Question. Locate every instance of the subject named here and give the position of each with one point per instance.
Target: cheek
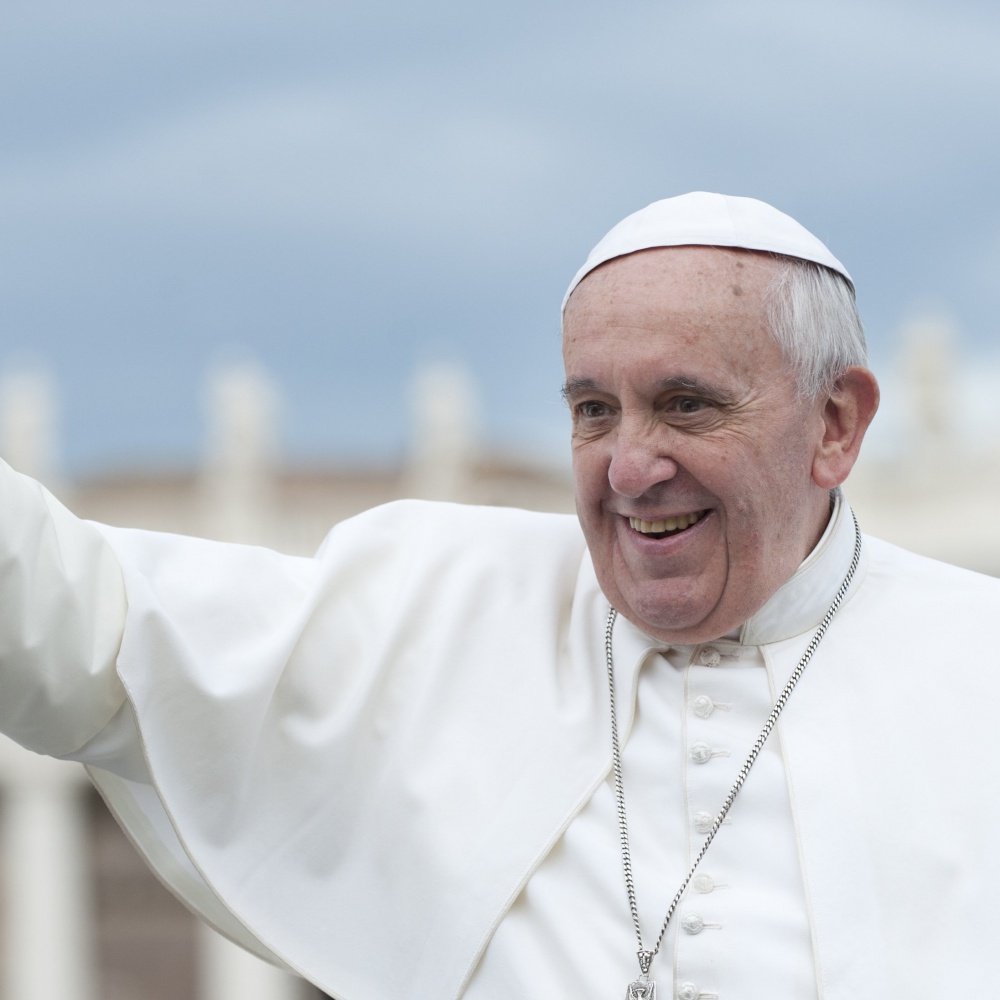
(764, 516)
(590, 477)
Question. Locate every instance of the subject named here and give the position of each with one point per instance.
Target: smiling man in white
(683, 408)
(716, 745)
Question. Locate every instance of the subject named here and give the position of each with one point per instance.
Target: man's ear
(846, 414)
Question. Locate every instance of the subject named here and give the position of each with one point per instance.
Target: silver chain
(646, 957)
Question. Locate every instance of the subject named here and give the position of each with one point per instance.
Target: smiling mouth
(668, 526)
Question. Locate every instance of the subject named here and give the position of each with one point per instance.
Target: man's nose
(640, 459)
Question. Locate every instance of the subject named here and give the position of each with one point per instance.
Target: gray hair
(814, 318)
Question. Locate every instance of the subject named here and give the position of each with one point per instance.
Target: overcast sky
(344, 190)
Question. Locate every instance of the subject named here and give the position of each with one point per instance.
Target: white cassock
(387, 767)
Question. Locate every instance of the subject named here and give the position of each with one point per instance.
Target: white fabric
(570, 934)
(555, 939)
(367, 755)
(704, 219)
(62, 604)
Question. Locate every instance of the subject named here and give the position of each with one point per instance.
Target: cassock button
(703, 883)
(688, 991)
(692, 923)
(709, 657)
(701, 753)
(703, 822)
(703, 706)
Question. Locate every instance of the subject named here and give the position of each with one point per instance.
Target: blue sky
(343, 190)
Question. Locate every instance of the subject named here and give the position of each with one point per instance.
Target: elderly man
(433, 762)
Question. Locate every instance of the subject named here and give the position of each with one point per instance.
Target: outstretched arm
(62, 612)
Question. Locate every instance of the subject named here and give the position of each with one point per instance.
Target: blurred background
(265, 264)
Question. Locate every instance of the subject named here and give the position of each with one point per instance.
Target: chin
(675, 620)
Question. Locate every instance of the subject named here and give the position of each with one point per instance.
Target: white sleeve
(62, 615)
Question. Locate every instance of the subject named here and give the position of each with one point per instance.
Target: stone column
(239, 462)
(444, 442)
(227, 972)
(28, 424)
(931, 384)
(47, 946)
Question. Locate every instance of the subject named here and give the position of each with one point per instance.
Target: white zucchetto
(704, 219)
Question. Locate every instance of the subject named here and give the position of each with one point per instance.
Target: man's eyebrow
(573, 386)
(673, 383)
(685, 384)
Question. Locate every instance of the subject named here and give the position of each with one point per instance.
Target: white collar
(799, 604)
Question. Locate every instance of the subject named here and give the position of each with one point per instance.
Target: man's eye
(689, 404)
(592, 409)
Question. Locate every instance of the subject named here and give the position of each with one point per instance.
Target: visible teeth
(681, 521)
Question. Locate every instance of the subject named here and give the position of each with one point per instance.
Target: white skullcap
(714, 220)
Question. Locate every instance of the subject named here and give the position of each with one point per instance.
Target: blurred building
(81, 918)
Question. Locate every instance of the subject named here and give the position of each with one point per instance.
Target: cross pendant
(640, 990)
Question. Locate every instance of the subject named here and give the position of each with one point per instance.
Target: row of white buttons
(700, 753)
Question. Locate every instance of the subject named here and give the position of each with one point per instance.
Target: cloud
(301, 157)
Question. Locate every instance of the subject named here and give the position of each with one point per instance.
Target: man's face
(692, 452)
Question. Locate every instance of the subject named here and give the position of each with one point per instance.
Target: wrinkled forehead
(698, 298)
(660, 281)
(709, 220)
